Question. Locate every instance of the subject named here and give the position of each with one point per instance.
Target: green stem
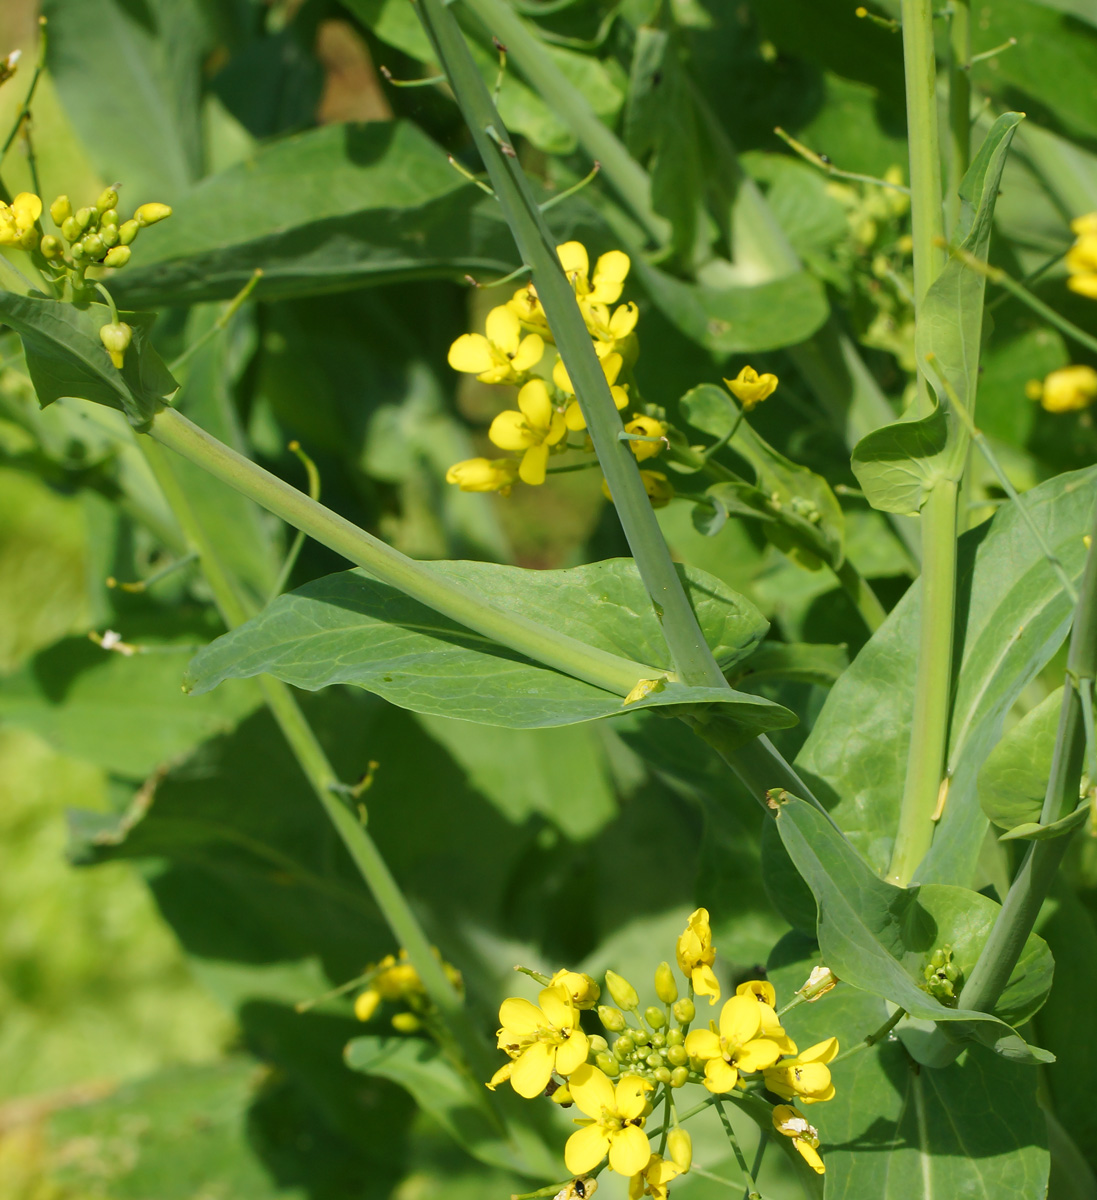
(604, 670)
(959, 106)
(759, 1157)
(226, 316)
(860, 592)
(933, 684)
(870, 1040)
(688, 648)
(24, 108)
(752, 1192)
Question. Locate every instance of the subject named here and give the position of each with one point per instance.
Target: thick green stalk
(604, 670)
(932, 694)
(692, 657)
(959, 106)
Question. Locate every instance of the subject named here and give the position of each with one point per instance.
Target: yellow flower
(614, 1123)
(534, 427)
(608, 329)
(806, 1076)
(607, 282)
(583, 990)
(1084, 224)
(18, 220)
(541, 1040)
(1081, 258)
(611, 368)
(736, 1047)
(484, 475)
(805, 1137)
(696, 954)
(653, 1179)
(503, 356)
(367, 1003)
(1069, 389)
(766, 996)
(647, 427)
(594, 295)
(750, 388)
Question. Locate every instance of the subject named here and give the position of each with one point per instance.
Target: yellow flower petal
(610, 272)
(536, 403)
(573, 417)
(520, 1017)
(630, 1096)
(1084, 285)
(558, 430)
(720, 1075)
(534, 464)
(702, 1043)
(623, 321)
(573, 1053)
(561, 378)
(810, 1155)
(740, 1020)
(27, 208)
(500, 1076)
(822, 1051)
(761, 989)
(611, 365)
(573, 258)
(504, 329)
(532, 1070)
(509, 431)
(591, 1090)
(629, 1150)
(705, 983)
(471, 353)
(585, 1149)
(757, 1054)
(530, 351)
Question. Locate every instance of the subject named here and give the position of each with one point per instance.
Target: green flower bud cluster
(96, 236)
(942, 976)
(653, 1047)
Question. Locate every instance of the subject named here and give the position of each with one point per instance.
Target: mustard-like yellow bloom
(805, 1137)
(613, 1125)
(653, 1179)
(594, 294)
(696, 954)
(535, 427)
(766, 995)
(806, 1077)
(750, 388)
(18, 220)
(736, 1047)
(608, 329)
(541, 1040)
(606, 283)
(1081, 259)
(583, 990)
(611, 368)
(484, 475)
(647, 427)
(366, 1004)
(1068, 389)
(503, 355)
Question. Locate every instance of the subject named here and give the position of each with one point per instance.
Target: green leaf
(1014, 777)
(808, 524)
(1013, 617)
(348, 628)
(804, 662)
(1033, 831)
(65, 356)
(322, 211)
(895, 1131)
(879, 938)
(898, 464)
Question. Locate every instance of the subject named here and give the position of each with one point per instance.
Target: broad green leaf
(65, 356)
(1033, 831)
(419, 1067)
(1014, 777)
(895, 1131)
(1014, 617)
(734, 318)
(807, 522)
(349, 628)
(804, 662)
(879, 937)
(898, 465)
(125, 714)
(321, 211)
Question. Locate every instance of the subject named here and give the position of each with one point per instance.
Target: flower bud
(662, 1074)
(655, 1017)
(598, 1044)
(641, 1037)
(675, 1037)
(684, 1011)
(367, 1004)
(78, 251)
(665, 986)
(680, 1149)
(677, 1056)
(659, 1040)
(83, 217)
(51, 247)
(28, 239)
(127, 231)
(406, 1022)
(70, 227)
(654, 1061)
(612, 1019)
(608, 1065)
(623, 1047)
(109, 235)
(110, 217)
(623, 993)
(116, 337)
(562, 1096)
(108, 198)
(679, 1077)
(149, 214)
(118, 257)
(61, 210)
(93, 247)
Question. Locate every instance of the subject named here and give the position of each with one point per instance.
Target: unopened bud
(677, 1056)
(612, 1019)
(108, 198)
(51, 247)
(83, 217)
(93, 247)
(662, 1074)
(623, 993)
(608, 1065)
(28, 239)
(680, 1149)
(110, 217)
(149, 214)
(598, 1044)
(70, 227)
(116, 337)
(665, 986)
(684, 1011)
(406, 1022)
(61, 210)
(623, 1047)
(118, 257)
(109, 235)
(366, 1004)
(655, 1017)
(679, 1077)
(78, 251)
(127, 231)
(562, 1096)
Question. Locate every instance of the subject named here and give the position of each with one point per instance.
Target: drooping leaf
(898, 1131)
(65, 356)
(898, 464)
(349, 628)
(1014, 616)
(1013, 780)
(1034, 831)
(879, 937)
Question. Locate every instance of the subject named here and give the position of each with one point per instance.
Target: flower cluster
(396, 981)
(512, 351)
(1082, 256)
(654, 1052)
(1069, 389)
